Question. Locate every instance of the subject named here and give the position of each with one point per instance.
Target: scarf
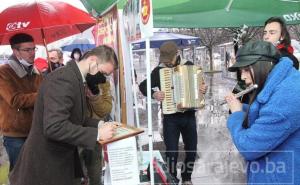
(289, 48)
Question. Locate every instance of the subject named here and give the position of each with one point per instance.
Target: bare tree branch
(295, 31)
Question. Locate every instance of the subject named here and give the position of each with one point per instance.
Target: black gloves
(93, 81)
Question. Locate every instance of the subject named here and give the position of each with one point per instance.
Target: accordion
(181, 85)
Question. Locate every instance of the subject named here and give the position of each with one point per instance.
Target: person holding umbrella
(60, 124)
(19, 82)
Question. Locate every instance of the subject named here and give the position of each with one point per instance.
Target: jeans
(13, 147)
(173, 126)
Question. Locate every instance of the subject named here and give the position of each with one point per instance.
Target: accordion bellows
(181, 85)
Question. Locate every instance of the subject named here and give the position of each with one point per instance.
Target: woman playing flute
(267, 130)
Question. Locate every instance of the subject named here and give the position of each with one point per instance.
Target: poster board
(123, 163)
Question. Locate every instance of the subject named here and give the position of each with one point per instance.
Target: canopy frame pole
(227, 8)
(149, 107)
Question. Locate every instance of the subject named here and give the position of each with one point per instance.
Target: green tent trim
(212, 13)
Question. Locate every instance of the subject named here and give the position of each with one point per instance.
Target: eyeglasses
(29, 49)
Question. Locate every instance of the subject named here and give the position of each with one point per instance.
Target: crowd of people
(52, 120)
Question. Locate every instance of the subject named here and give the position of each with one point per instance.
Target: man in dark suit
(50, 156)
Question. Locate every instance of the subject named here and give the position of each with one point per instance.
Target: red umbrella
(46, 20)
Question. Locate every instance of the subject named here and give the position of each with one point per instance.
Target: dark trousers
(174, 125)
(13, 147)
(92, 161)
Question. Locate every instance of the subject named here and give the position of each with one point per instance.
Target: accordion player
(181, 85)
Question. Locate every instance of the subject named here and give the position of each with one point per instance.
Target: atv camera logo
(17, 26)
(292, 17)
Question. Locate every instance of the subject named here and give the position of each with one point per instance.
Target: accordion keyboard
(169, 106)
(181, 85)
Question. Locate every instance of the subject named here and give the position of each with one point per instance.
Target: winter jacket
(271, 143)
(18, 91)
(100, 105)
(285, 53)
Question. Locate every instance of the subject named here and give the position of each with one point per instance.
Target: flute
(247, 90)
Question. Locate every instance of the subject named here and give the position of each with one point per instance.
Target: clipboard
(122, 132)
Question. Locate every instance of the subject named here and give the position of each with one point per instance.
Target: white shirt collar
(83, 77)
